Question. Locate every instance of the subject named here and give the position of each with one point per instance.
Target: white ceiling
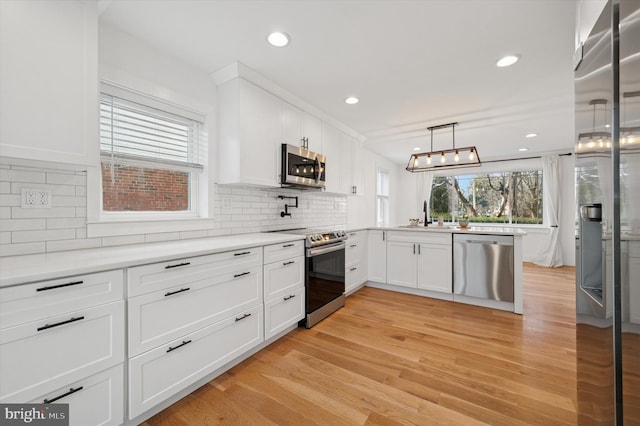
(413, 64)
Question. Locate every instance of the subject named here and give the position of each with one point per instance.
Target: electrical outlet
(36, 198)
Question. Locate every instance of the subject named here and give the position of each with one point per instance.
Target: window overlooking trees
(506, 198)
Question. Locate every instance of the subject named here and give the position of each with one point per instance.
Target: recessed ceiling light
(278, 39)
(417, 148)
(523, 149)
(507, 60)
(351, 100)
(530, 135)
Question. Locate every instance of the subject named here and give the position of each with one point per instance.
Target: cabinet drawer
(158, 317)
(278, 252)
(426, 237)
(352, 252)
(163, 275)
(353, 275)
(158, 374)
(281, 277)
(283, 312)
(41, 356)
(30, 302)
(96, 400)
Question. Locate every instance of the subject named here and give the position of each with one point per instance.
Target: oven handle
(317, 251)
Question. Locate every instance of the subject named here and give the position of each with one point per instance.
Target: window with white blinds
(152, 154)
(129, 130)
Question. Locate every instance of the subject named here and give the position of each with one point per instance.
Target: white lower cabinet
(41, 356)
(96, 400)
(355, 261)
(377, 256)
(284, 296)
(159, 373)
(282, 312)
(420, 260)
(168, 314)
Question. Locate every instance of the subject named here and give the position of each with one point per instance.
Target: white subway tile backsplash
(66, 178)
(22, 224)
(19, 213)
(42, 235)
(23, 248)
(164, 236)
(5, 237)
(67, 222)
(123, 240)
(64, 201)
(236, 210)
(73, 244)
(13, 175)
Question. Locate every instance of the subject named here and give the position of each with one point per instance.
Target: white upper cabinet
(248, 134)
(49, 85)
(254, 122)
(292, 123)
(300, 128)
(331, 149)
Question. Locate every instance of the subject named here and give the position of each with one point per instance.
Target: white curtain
(425, 182)
(551, 255)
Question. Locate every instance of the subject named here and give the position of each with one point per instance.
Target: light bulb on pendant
(415, 162)
(429, 159)
(456, 157)
(297, 170)
(442, 159)
(471, 154)
(304, 170)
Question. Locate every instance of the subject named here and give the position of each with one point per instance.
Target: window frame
(382, 199)
(141, 229)
(195, 171)
(509, 223)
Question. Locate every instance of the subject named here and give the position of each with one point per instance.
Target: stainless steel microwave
(302, 168)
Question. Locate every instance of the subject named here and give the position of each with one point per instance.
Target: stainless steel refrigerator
(607, 84)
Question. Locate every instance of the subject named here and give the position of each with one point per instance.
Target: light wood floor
(388, 358)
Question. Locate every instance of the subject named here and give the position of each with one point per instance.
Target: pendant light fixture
(444, 158)
(595, 140)
(629, 135)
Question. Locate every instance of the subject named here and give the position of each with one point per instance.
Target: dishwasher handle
(485, 243)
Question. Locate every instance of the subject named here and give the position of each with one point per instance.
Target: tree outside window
(506, 198)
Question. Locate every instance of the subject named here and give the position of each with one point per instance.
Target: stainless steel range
(324, 276)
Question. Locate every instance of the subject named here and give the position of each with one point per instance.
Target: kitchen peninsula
(437, 261)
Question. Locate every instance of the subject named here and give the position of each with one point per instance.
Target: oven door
(324, 275)
(302, 168)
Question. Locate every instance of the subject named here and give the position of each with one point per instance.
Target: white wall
(587, 13)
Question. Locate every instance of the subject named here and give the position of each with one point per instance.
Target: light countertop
(491, 230)
(36, 267)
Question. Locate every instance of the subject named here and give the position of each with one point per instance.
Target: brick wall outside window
(144, 189)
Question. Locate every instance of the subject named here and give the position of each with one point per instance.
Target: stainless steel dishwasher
(483, 266)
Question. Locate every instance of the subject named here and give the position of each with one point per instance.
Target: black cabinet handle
(184, 342)
(288, 245)
(288, 263)
(241, 275)
(46, 326)
(291, 296)
(353, 245)
(242, 317)
(353, 269)
(171, 293)
(71, 390)
(51, 287)
(242, 253)
(177, 265)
